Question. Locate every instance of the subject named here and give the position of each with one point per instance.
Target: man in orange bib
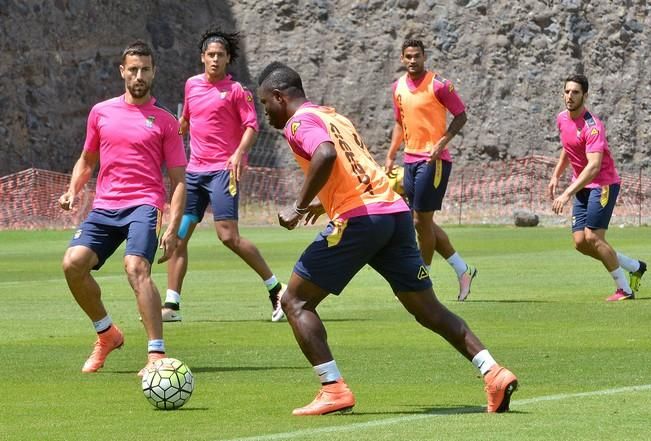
(421, 100)
(369, 224)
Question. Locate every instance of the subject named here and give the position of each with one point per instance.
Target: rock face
(507, 60)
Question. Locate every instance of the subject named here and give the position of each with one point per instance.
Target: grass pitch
(537, 304)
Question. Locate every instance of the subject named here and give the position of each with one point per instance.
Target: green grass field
(537, 304)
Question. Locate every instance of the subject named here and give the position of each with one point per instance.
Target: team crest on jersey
(223, 94)
(294, 127)
(149, 122)
(450, 87)
(594, 132)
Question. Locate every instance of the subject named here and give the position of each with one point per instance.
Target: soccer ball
(168, 384)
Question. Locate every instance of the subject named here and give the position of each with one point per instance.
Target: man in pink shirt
(421, 101)
(222, 121)
(131, 137)
(595, 186)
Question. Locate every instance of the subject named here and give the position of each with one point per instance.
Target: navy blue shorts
(219, 188)
(104, 230)
(386, 242)
(425, 184)
(593, 207)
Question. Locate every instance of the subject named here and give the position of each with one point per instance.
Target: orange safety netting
(486, 193)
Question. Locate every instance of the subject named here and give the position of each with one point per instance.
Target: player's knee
(231, 241)
(73, 265)
(137, 270)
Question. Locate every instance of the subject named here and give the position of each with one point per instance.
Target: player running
(131, 137)
(369, 223)
(223, 126)
(594, 188)
(421, 100)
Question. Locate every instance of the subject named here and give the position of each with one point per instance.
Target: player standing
(222, 121)
(421, 100)
(595, 186)
(369, 224)
(131, 137)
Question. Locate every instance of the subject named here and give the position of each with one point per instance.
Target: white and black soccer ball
(168, 384)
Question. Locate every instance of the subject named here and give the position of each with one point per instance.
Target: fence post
(461, 198)
(639, 198)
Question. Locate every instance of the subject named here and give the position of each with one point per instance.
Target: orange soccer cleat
(151, 358)
(500, 384)
(108, 340)
(465, 281)
(335, 397)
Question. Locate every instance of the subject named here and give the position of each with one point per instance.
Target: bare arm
(169, 240)
(590, 171)
(321, 165)
(235, 162)
(455, 127)
(561, 165)
(184, 125)
(396, 142)
(81, 173)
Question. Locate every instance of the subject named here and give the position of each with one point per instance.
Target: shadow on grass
(325, 320)
(424, 410)
(223, 369)
(511, 301)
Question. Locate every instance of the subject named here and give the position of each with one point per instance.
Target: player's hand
(236, 164)
(168, 244)
(553, 183)
(66, 200)
(388, 165)
(559, 203)
(289, 218)
(315, 210)
(437, 150)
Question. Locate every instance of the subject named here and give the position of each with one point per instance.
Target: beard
(139, 90)
(575, 105)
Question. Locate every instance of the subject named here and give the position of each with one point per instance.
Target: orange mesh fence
(484, 194)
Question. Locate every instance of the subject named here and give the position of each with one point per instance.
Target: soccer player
(220, 115)
(421, 100)
(369, 223)
(131, 137)
(594, 187)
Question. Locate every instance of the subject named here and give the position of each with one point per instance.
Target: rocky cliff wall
(507, 60)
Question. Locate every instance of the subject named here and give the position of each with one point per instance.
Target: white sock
(271, 282)
(619, 276)
(172, 297)
(156, 346)
(457, 263)
(483, 361)
(103, 324)
(629, 264)
(327, 372)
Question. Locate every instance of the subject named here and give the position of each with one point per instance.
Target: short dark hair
(231, 41)
(579, 79)
(138, 47)
(282, 77)
(412, 43)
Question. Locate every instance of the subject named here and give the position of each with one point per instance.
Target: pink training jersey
(445, 93)
(304, 143)
(586, 134)
(218, 114)
(134, 142)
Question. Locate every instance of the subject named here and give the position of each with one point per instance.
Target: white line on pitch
(396, 420)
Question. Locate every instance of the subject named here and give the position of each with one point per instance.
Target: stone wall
(507, 60)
